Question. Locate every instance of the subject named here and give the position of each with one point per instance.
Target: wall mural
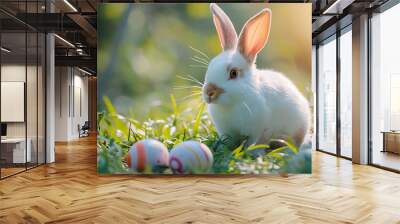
(204, 88)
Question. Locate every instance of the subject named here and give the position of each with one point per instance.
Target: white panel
(50, 100)
(12, 101)
(360, 90)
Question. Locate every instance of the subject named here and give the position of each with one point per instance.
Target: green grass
(117, 133)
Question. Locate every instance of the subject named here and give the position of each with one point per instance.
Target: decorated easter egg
(148, 155)
(190, 157)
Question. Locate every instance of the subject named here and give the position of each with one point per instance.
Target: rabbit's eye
(233, 74)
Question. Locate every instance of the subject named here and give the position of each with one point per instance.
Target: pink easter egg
(190, 157)
(148, 155)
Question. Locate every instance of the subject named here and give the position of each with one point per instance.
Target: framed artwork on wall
(198, 88)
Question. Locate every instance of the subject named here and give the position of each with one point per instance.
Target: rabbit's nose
(212, 91)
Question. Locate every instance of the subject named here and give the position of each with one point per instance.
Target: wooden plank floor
(70, 191)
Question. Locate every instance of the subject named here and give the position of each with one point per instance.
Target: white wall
(12, 73)
(61, 103)
(80, 109)
(17, 73)
(71, 94)
(33, 126)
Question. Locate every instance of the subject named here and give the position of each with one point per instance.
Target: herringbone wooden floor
(70, 191)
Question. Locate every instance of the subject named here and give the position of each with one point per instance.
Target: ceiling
(75, 23)
(332, 15)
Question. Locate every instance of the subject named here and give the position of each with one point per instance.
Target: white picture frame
(12, 101)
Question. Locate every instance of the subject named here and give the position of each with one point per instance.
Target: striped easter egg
(148, 155)
(190, 157)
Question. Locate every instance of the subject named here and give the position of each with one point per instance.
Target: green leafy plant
(117, 133)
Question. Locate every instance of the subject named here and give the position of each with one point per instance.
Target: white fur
(259, 104)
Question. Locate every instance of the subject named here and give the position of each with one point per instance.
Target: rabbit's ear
(255, 35)
(225, 29)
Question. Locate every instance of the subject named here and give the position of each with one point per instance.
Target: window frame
(381, 9)
(334, 37)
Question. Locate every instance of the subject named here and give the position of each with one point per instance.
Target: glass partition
(22, 78)
(14, 153)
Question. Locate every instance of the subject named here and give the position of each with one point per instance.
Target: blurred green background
(144, 47)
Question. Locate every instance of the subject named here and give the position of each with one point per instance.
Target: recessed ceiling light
(5, 50)
(84, 71)
(337, 7)
(65, 41)
(70, 5)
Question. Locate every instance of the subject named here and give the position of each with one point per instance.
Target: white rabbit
(244, 100)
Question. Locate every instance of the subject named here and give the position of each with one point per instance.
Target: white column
(50, 92)
(360, 90)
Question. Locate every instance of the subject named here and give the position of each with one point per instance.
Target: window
(346, 93)
(327, 96)
(385, 89)
(394, 116)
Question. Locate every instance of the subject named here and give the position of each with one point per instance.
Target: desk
(15, 148)
(391, 141)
